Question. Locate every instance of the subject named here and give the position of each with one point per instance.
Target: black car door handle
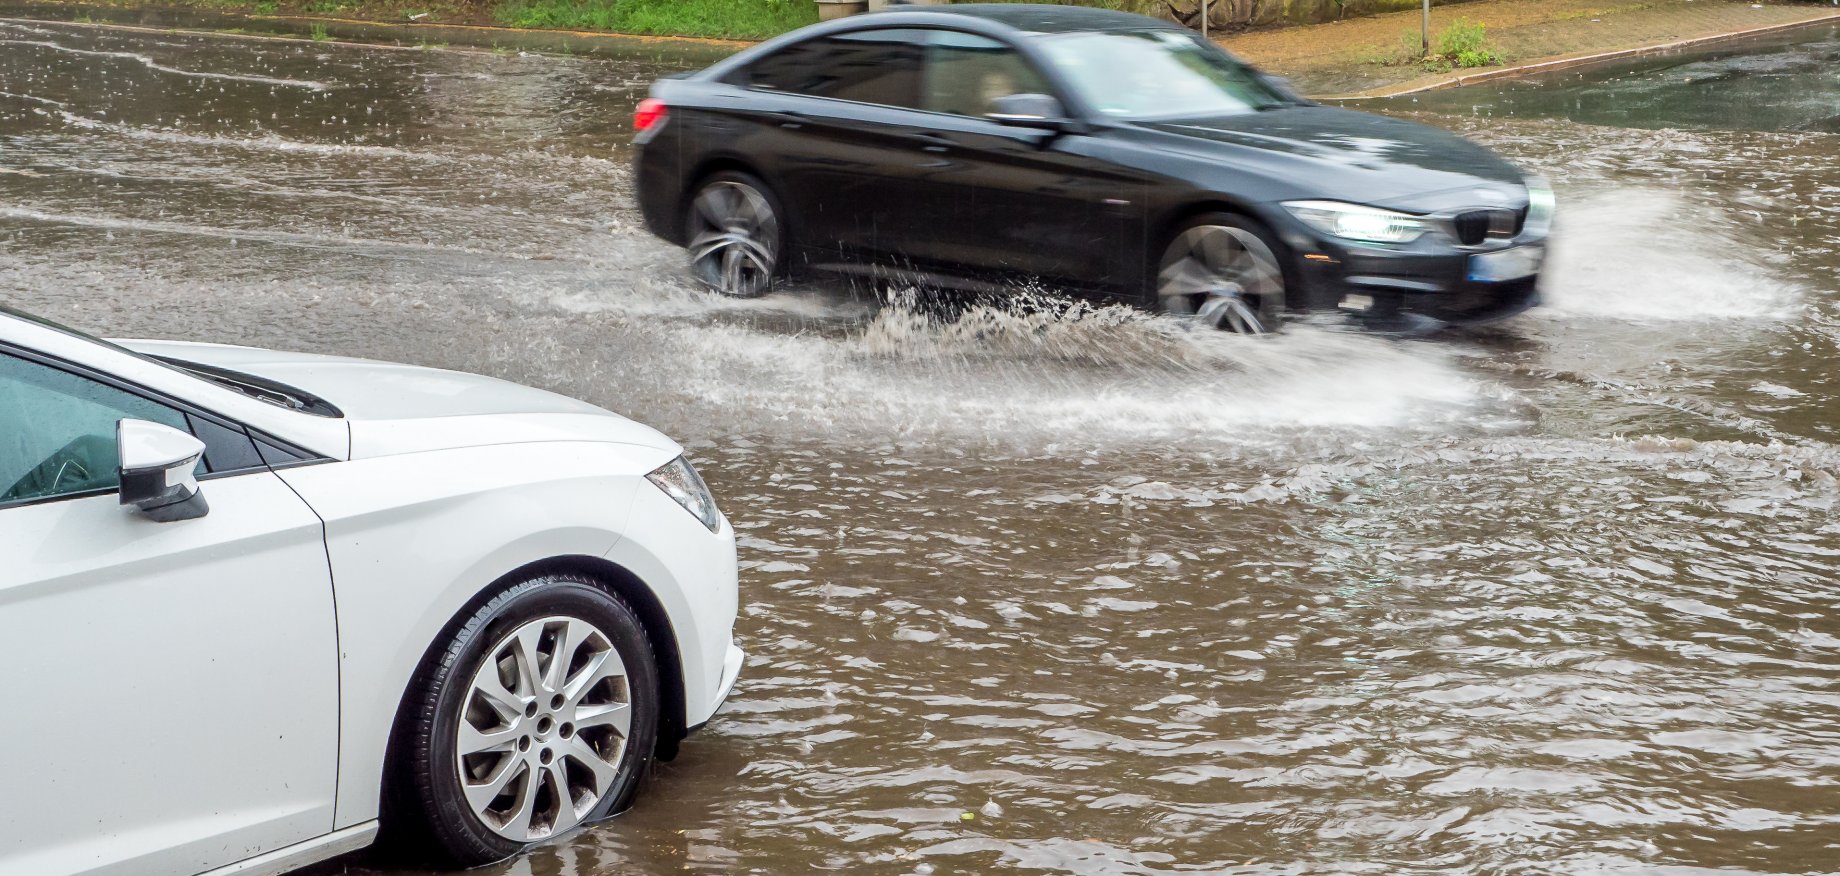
(789, 120)
(934, 142)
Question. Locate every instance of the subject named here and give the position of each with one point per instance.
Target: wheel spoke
(480, 795)
(566, 814)
(492, 691)
(567, 642)
(582, 753)
(731, 269)
(585, 677)
(615, 715)
(707, 210)
(709, 244)
(528, 661)
(520, 818)
(476, 741)
(1218, 249)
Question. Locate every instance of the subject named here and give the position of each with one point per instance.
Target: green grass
(318, 33)
(744, 19)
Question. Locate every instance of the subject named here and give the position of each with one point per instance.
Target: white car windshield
(1157, 74)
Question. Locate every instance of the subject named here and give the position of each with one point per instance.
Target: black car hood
(1354, 156)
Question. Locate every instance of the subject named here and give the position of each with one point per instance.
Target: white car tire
(539, 715)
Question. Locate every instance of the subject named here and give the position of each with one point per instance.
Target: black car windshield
(1157, 74)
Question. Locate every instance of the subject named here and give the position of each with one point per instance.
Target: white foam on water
(1079, 375)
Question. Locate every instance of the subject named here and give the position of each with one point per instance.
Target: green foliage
(711, 18)
(1464, 43)
(325, 7)
(318, 33)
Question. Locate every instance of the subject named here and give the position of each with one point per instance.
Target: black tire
(766, 257)
(1267, 299)
(429, 800)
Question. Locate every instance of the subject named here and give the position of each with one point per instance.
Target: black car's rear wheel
(1224, 271)
(736, 237)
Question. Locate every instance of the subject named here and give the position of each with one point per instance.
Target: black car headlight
(1358, 222)
(679, 480)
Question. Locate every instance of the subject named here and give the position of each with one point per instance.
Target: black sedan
(972, 146)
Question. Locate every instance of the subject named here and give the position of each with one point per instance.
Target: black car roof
(1044, 18)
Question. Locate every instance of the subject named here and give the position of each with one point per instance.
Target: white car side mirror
(157, 469)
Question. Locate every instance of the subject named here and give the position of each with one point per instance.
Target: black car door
(1013, 199)
(843, 105)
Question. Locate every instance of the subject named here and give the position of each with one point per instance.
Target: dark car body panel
(1090, 205)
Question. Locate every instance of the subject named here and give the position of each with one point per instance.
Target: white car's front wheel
(540, 715)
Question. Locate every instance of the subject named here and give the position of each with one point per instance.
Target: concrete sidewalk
(1343, 58)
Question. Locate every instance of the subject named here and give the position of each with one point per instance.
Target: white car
(255, 604)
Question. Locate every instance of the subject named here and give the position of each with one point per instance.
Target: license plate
(1509, 264)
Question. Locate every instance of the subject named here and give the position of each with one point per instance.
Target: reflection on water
(1058, 586)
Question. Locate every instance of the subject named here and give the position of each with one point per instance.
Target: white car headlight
(681, 482)
(1541, 205)
(1357, 222)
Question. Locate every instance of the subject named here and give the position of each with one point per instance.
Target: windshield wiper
(261, 389)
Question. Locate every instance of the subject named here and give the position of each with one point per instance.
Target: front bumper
(731, 672)
(1430, 277)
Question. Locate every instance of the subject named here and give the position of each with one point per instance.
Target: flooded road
(1072, 590)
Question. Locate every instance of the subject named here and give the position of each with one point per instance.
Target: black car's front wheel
(1224, 271)
(735, 235)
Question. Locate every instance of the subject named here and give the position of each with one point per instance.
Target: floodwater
(1072, 590)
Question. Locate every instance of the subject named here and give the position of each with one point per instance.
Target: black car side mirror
(1029, 111)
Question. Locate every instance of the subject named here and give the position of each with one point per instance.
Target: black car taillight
(649, 113)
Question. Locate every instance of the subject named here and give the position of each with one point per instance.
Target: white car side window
(59, 435)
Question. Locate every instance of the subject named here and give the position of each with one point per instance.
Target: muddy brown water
(1074, 591)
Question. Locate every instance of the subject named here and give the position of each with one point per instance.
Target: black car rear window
(869, 66)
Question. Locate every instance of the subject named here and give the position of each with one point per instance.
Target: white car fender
(701, 570)
(413, 539)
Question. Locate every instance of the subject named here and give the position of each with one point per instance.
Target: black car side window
(966, 73)
(868, 66)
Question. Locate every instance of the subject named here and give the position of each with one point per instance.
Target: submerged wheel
(1222, 270)
(736, 236)
(540, 715)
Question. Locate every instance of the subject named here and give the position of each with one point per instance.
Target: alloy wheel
(543, 728)
(734, 238)
(1224, 277)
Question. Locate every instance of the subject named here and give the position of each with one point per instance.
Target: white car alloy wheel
(539, 715)
(1222, 274)
(544, 729)
(735, 236)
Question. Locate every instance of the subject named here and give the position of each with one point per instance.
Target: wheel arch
(1163, 228)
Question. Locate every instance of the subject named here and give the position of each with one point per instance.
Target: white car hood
(393, 408)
